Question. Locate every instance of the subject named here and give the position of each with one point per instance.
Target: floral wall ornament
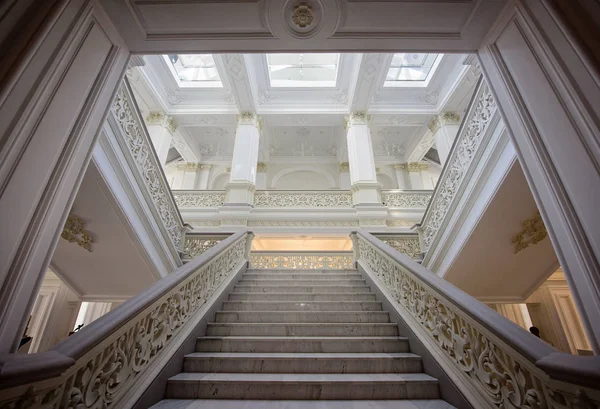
(303, 15)
(74, 232)
(533, 232)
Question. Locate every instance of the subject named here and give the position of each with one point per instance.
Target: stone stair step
(302, 316)
(302, 344)
(299, 271)
(256, 296)
(302, 276)
(301, 386)
(240, 362)
(303, 329)
(308, 282)
(300, 404)
(302, 305)
(302, 289)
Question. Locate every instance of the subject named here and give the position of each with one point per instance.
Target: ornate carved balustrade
(404, 243)
(196, 244)
(302, 260)
(406, 199)
(481, 116)
(110, 363)
(138, 145)
(187, 199)
(299, 198)
(494, 362)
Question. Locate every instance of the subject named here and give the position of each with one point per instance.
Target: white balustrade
(302, 260)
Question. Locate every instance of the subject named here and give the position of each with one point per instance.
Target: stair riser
(305, 366)
(301, 306)
(301, 316)
(301, 297)
(291, 345)
(299, 271)
(301, 391)
(284, 276)
(310, 282)
(300, 289)
(317, 330)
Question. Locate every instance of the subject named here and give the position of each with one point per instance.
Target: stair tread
(308, 324)
(293, 338)
(298, 404)
(301, 378)
(303, 355)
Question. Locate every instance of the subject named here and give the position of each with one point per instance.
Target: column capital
(161, 119)
(249, 118)
(344, 167)
(190, 166)
(416, 166)
(398, 166)
(205, 166)
(445, 118)
(356, 118)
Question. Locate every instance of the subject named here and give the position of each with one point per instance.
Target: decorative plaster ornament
(303, 15)
(74, 232)
(533, 232)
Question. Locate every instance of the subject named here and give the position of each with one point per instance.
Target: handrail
(127, 340)
(459, 325)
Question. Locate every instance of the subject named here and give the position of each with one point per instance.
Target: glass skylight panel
(411, 69)
(303, 70)
(194, 70)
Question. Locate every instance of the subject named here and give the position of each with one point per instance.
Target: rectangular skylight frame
(415, 83)
(303, 84)
(192, 83)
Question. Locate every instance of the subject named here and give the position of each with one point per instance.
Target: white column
(543, 79)
(203, 177)
(366, 191)
(414, 175)
(161, 129)
(189, 177)
(402, 176)
(444, 128)
(241, 186)
(345, 176)
(363, 176)
(261, 175)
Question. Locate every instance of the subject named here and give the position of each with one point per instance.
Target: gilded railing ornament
(533, 232)
(74, 232)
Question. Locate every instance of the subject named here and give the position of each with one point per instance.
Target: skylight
(411, 69)
(194, 70)
(303, 70)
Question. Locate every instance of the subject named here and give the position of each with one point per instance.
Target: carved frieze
(302, 199)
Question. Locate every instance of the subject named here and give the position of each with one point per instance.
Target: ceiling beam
(236, 80)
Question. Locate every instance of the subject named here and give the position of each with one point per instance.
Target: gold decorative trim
(434, 125)
(74, 232)
(416, 166)
(345, 167)
(533, 232)
(356, 118)
(155, 118)
(451, 118)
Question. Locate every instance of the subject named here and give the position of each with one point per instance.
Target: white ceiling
(116, 265)
(304, 122)
(487, 266)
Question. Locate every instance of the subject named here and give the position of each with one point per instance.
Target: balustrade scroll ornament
(405, 245)
(199, 198)
(302, 199)
(198, 244)
(501, 375)
(309, 261)
(103, 375)
(139, 145)
(406, 200)
(468, 141)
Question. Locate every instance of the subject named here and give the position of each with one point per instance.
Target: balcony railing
(309, 260)
(306, 199)
(196, 244)
(493, 362)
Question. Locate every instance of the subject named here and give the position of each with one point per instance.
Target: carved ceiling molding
(303, 19)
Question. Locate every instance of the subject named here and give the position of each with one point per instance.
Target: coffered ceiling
(303, 116)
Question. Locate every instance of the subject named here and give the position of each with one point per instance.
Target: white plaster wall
(430, 176)
(302, 176)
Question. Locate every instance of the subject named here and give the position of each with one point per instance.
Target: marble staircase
(288, 338)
